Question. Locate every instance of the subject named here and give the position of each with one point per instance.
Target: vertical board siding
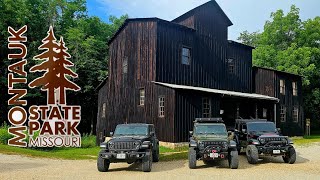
(241, 79)
(267, 82)
(101, 121)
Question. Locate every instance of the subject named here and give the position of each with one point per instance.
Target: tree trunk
(62, 96)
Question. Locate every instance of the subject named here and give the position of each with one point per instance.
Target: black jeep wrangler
(261, 138)
(209, 141)
(130, 143)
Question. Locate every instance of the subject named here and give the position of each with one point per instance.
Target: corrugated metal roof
(218, 91)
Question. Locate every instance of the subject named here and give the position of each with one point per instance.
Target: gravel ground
(306, 167)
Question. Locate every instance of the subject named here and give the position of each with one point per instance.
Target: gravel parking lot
(306, 167)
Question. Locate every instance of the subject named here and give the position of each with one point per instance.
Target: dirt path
(306, 167)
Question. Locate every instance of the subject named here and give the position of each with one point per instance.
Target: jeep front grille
(213, 143)
(123, 145)
(274, 139)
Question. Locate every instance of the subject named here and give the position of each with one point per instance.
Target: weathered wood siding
(189, 107)
(241, 79)
(267, 82)
(137, 42)
(102, 123)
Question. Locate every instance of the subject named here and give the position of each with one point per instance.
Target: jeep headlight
(225, 144)
(262, 140)
(201, 145)
(136, 145)
(111, 144)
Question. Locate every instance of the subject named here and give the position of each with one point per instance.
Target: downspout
(275, 113)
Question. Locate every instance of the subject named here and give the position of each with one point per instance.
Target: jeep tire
(252, 154)
(147, 162)
(233, 159)
(102, 164)
(290, 156)
(192, 158)
(155, 155)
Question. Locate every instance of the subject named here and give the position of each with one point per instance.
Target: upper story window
(282, 113)
(125, 65)
(186, 56)
(142, 97)
(282, 87)
(231, 66)
(161, 106)
(103, 114)
(295, 88)
(295, 114)
(264, 113)
(206, 107)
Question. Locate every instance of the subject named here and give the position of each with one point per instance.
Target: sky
(245, 14)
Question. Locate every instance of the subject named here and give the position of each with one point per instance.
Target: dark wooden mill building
(170, 72)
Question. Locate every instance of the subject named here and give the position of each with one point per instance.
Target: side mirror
(190, 133)
(244, 130)
(279, 130)
(152, 133)
(229, 133)
(111, 133)
(236, 130)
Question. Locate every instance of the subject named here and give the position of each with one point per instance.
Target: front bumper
(211, 153)
(128, 156)
(273, 150)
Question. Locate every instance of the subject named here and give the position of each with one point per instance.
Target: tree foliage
(289, 44)
(85, 36)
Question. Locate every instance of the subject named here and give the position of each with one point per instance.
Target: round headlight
(262, 140)
(201, 144)
(111, 144)
(225, 144)
(136, 145)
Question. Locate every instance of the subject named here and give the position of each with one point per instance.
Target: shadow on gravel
(265, 160)
(8, 167)
(156, 167)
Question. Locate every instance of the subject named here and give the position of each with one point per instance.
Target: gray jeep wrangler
(209, 141)
(130, 143)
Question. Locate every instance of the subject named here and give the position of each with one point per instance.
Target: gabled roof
(240, 44)
(270, 69)
(218, 91)
(145, 20)
(101, 84)
(211, 2)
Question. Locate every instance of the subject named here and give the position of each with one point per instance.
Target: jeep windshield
(210, 129)
(261, 127)
(130, 130)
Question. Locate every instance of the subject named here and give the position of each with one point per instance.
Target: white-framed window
(206, 107)
(142, 96)
(282, 87)
(294, 88)
(186, 56)
(161, 106)
(282, 113)
(231, 66)
(264, 113)
(295, 114)
(103, 114)
(125, 65)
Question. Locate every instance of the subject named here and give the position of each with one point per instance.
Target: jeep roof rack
(251, 120)
(208, 120)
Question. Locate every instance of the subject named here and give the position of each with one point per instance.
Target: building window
(282, 113)
(295, 88)
(125, 65)
(206, 107)
(231, 66)
(142, 97)
(295, 114)
(103, 114)
(186, 56)
(161, 106)
(282, 87)
(264, 113)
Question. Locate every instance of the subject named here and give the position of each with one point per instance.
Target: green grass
(306, 140)
(166, 154)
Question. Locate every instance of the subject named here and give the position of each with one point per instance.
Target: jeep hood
(128, 138)
(211, 138)
(255, 135)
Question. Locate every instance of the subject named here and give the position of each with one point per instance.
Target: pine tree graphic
(62, 70)
(49, 80)
(56, 66)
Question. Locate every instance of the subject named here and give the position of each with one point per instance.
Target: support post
(275, 113)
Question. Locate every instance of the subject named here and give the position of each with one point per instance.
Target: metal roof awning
(218, 91)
